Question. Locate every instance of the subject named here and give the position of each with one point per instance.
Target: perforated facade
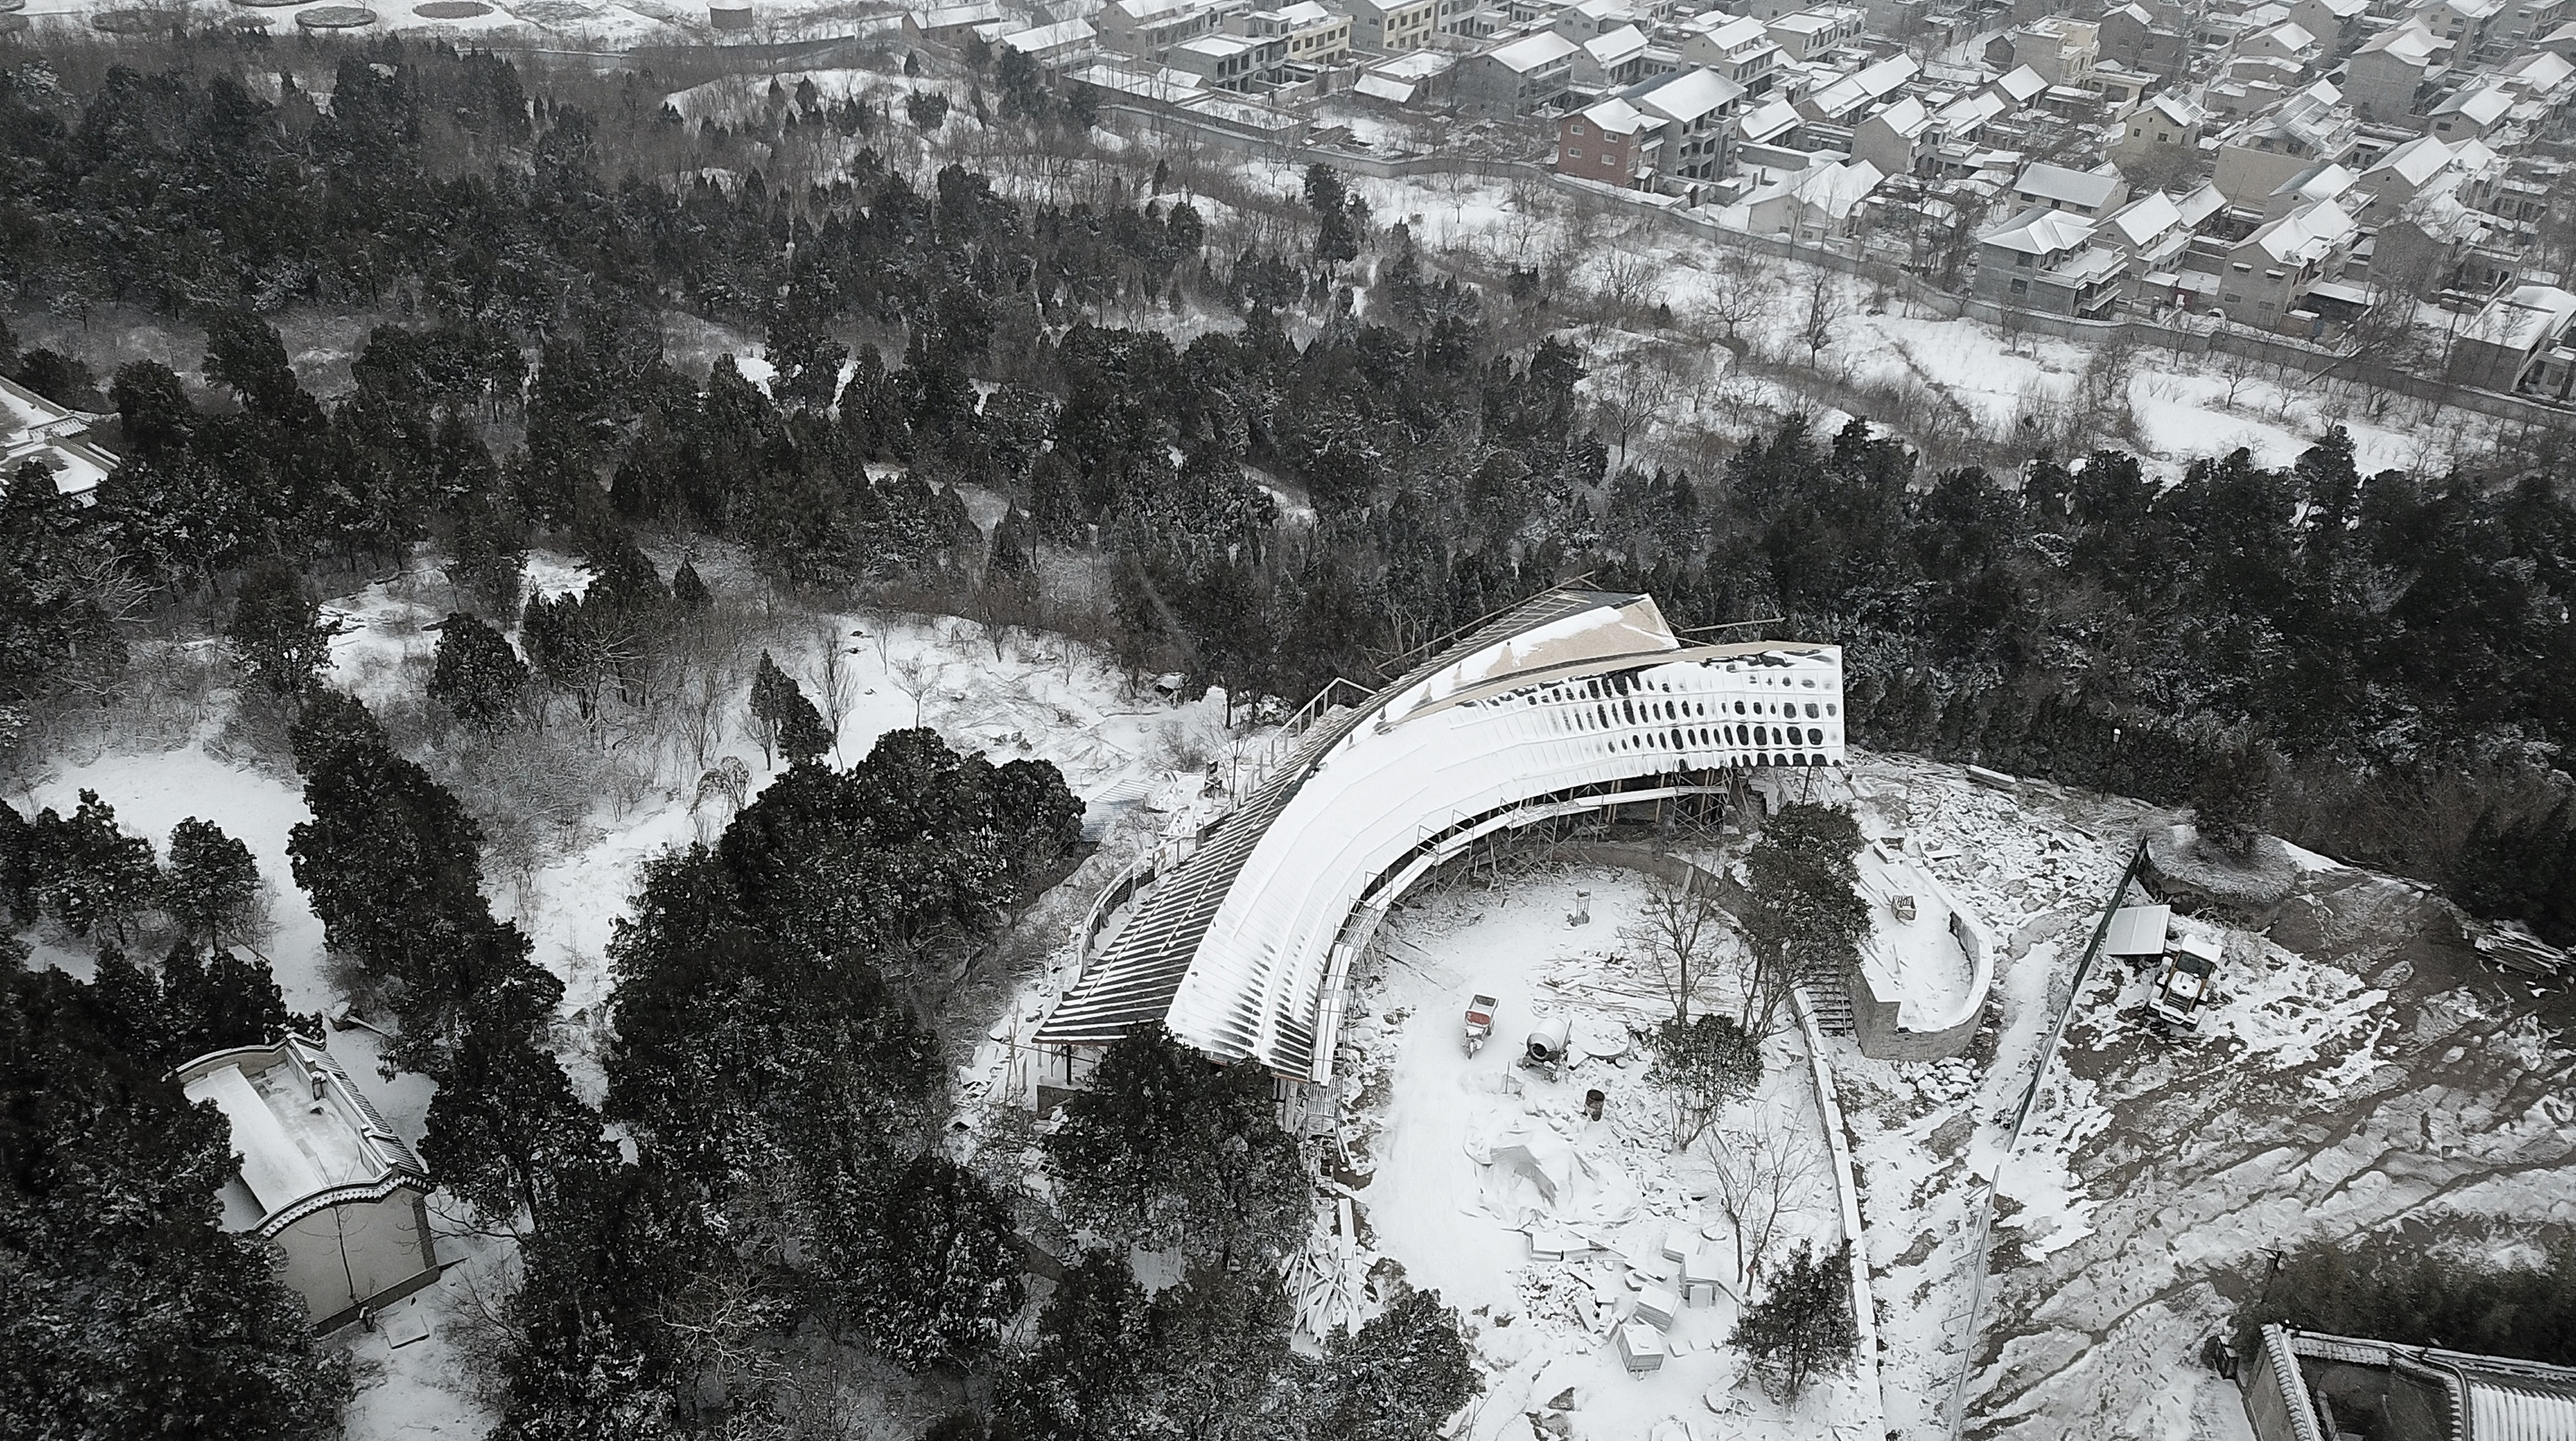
(1576, 700)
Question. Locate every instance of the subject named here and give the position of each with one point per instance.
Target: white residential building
(1391, 27)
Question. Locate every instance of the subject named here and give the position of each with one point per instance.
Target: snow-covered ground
(1546, 1271)
(2185, 407)
(2360, 1070)
(1042, 697)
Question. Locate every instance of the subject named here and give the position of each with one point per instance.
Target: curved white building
(1572, 701)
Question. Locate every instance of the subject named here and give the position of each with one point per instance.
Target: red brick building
(1611, 142)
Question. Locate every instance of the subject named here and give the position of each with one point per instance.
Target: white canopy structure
(1572, 701)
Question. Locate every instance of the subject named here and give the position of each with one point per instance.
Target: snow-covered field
(2186, 407)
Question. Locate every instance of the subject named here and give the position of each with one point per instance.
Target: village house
(319, 1177)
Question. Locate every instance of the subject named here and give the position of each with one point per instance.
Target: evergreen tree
(131, 1312)
(1802, 1328)
(788, 723)
(212, 887)
(1806, 917)
(18, 894)
(1397, 1378)
(87, 873)
(688, 592)
(393, 867)
(937, 1274)
(277, 634)
(562, 637)
(1084, 1378)
(1708, 1063)
(505, 1132)
(216, 1002)
(2228, 800)
(1165, 1149)
(158, 419)
(476, 674)
(1219, 1366)
(1336, 239)
(1036, 818)
(130, 1011)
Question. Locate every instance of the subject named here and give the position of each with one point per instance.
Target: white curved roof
(1234, 949)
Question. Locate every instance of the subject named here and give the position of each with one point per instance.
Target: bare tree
(1741, 289)
(1680, 932)
(914, 675)
(1820, 311)
(831, 673)
(1629, 271)
(1759, 1173)
(702, 712)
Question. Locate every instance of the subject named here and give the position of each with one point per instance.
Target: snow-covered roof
(1533, 52)
(1862, 86)
(2538, 72)
(1966, 114)
(2199, 203)
(1613, 48)
(955, 17)
(2143, 219)
(1417, 65)
(1152, 9)
(2175, 108)
(1687, 96)
(1906, 118)
(2528, 318)
(2306, 234)
(2413, 42)
(1837, 190)
(2479, 105)
(2020, 85)
(1048, 39)
(33, 428)
(1767, 121)
(1615, 116)
(1164, 84)
(2041, 231)
(2083, 189)
(2413, 163)
(1377, 86)
(1729, 32)
(2325, 180)
(1241, 948)
(2289, 35)
(303, 1135)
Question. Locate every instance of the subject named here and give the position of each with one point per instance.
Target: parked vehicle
(2187, 982)
(1480, 1023)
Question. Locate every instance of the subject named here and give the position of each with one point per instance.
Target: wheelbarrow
(1480, 1022)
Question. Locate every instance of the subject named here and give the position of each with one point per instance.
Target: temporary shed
(2138, 931)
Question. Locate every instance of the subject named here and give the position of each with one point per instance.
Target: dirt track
(2376, 1076)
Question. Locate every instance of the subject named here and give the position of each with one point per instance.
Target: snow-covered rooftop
(304, 1136)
